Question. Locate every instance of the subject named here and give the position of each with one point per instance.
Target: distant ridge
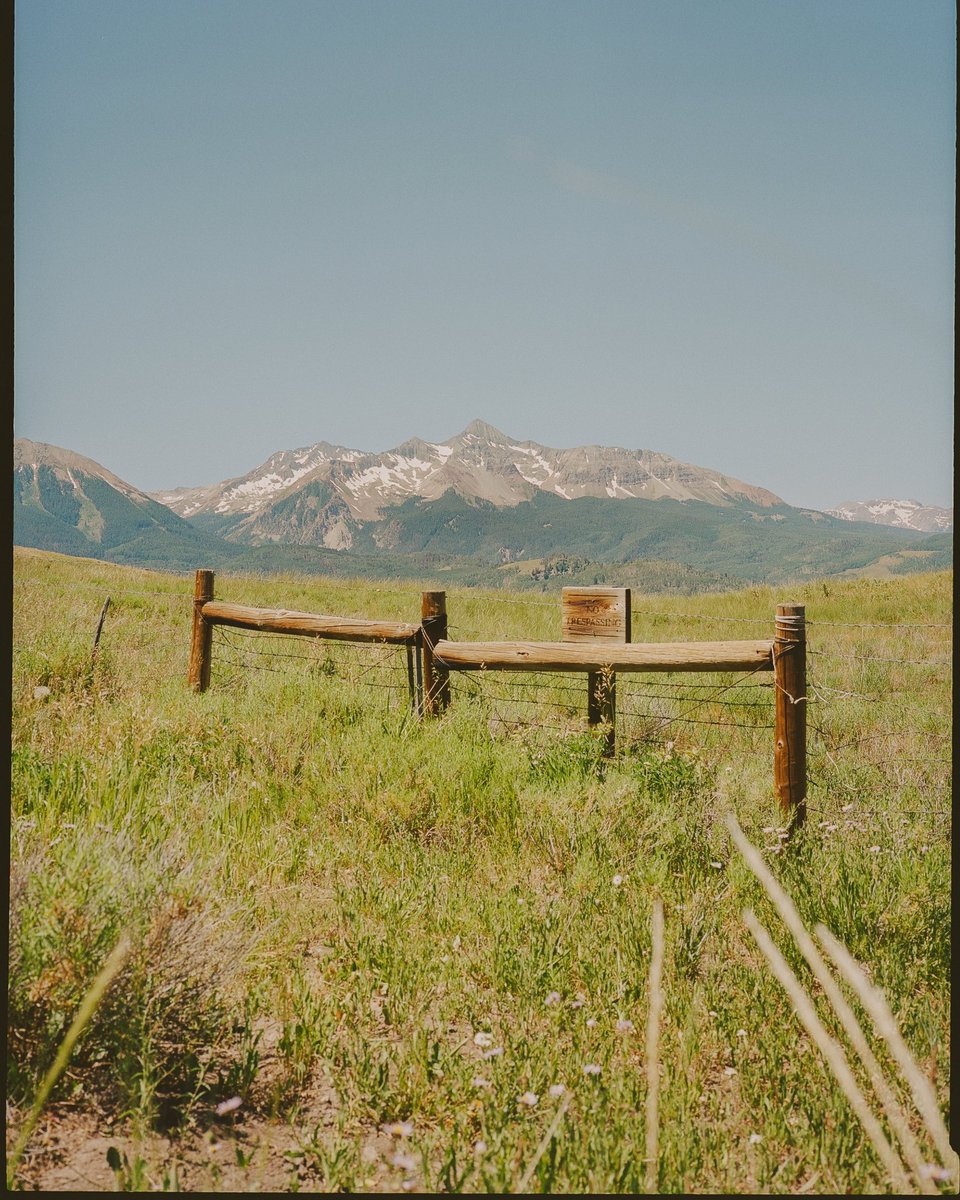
(314, 495)
(901, 514)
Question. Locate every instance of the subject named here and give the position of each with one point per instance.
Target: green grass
(329, 900)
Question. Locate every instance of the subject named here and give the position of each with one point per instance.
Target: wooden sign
(596, 614)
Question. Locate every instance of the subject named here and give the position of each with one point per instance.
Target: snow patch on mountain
(902, 514)
(481, 463)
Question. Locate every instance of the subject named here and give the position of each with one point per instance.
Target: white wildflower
(556, 1090)
(493, 1052)
(579, 1002)
(483, 1039)
(399, 1129)
(592, 1069)
(874, 849)
(406, 1162)
(617, 880)
(591, 1022)
(552, 998)
(480, 1146)
(755, 1139)
(624, 1026)
(478, 1081)
(741, 1033)
(228, 1106)
(729, 1071)
(530, 1099)
(717, 866)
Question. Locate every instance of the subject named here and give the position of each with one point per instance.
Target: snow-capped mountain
(903, 514)
(313, 495)
(460, 502)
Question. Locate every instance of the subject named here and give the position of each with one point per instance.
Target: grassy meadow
(370, 953)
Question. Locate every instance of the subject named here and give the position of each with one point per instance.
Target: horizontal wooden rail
(587, 656)
(282, 620)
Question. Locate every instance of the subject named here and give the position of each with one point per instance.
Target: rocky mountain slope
(901, 514)
(319, 494)
(71, 504)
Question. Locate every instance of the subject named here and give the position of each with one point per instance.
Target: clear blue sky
(721, 229)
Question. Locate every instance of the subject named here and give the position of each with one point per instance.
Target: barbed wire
(499, 720)
(550, 690)
(880, 735)
(703, 700)
(353, 670)
(883, 624)
(663, 722)
(914, 662)
(768, 620)
(841, 694)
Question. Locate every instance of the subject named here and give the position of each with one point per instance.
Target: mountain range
(480, 507)
(902, 514)
(318, 494)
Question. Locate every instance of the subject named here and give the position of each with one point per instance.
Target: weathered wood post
(598, 614)
(790, 688)
(202, 640)
(411, 685)
(436, 677)
(96, 636)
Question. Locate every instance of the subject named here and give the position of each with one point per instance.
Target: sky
(718, 229)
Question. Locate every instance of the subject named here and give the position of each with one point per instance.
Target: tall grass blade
(545, 1141)
(791, 918)
(830, 1049)
(653, 1048)
(875, 1003)
(87, 1008)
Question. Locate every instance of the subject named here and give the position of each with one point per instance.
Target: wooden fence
(432, 656)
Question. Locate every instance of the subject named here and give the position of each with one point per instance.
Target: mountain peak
(481, 429)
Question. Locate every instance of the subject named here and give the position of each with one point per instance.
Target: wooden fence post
(436, 677)
(790, 688)
(202, 640)
(598, 614)
(96, 636)
(411, 685)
